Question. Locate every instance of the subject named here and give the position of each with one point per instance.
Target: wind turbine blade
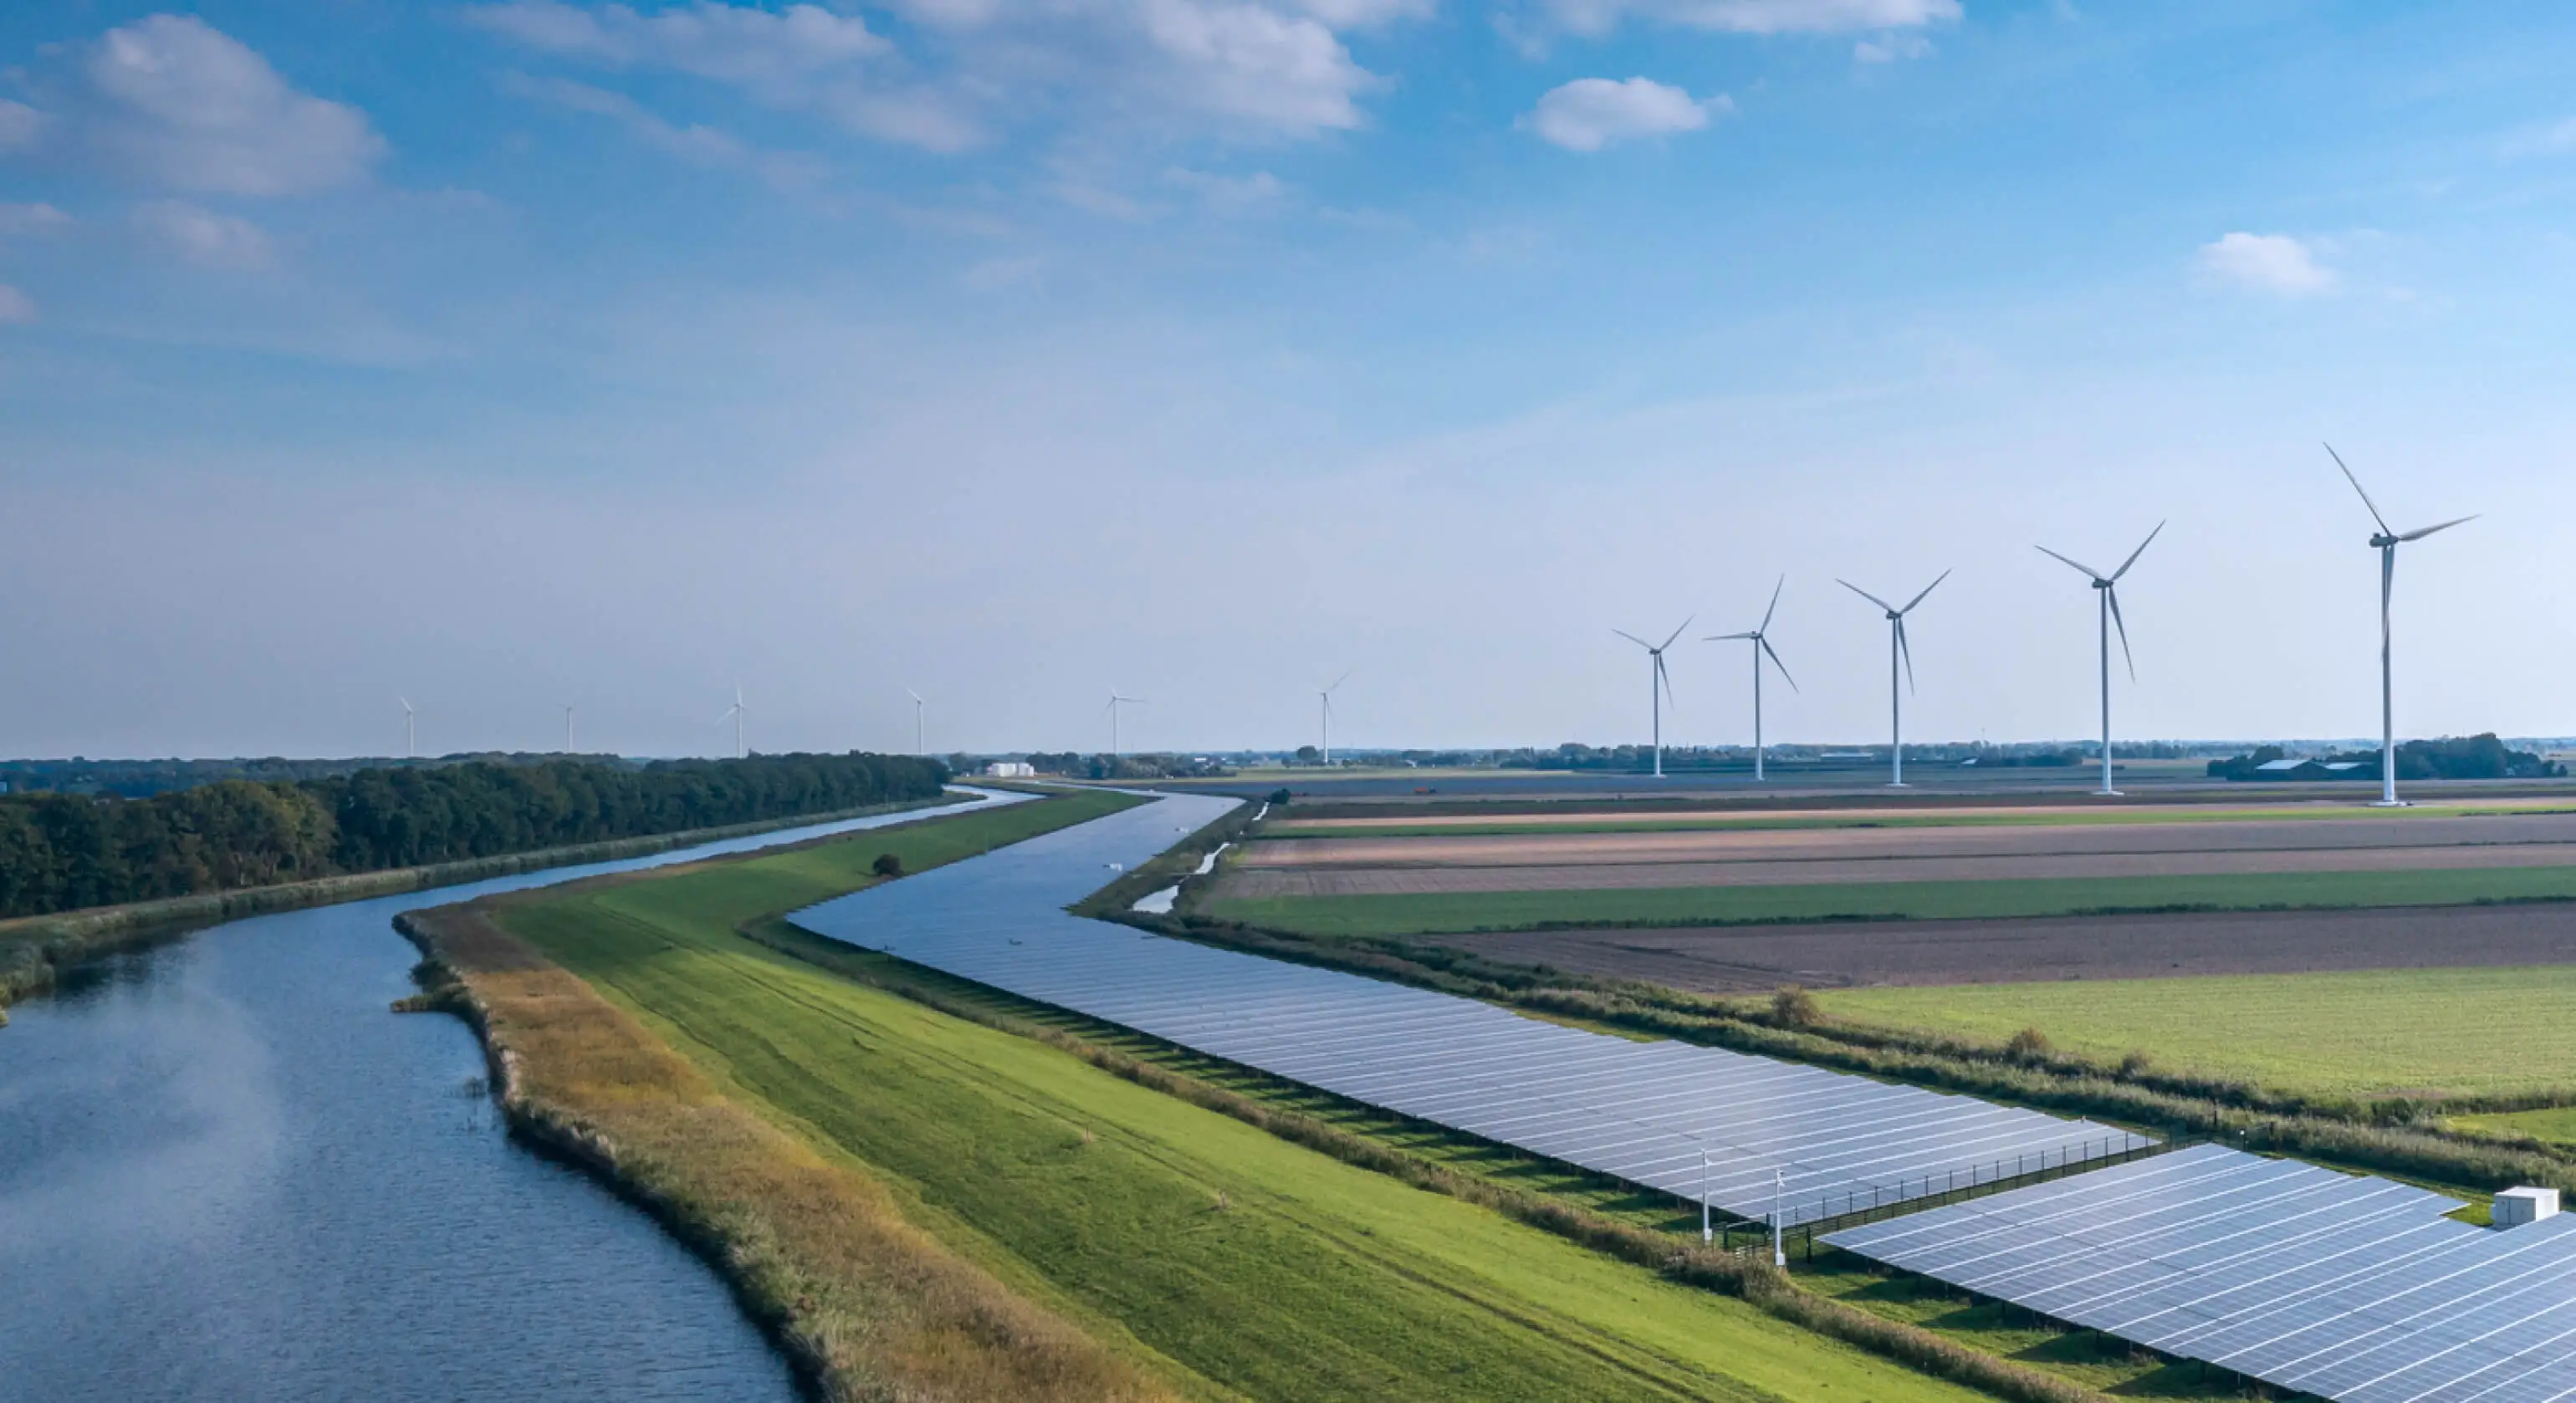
(2429, 530)
(2112, 596)
(2141, 550)
(1926, 594)
(2357, 487)
(2387, 587)
(1865, 594)
(1728, 637)
(1676, 633)
(1775, 603)
(1623, 633)
(1905, 652)
(1765, 645)
(1664, 676)
(916, 696)
(2080, 565)
(1338, 681)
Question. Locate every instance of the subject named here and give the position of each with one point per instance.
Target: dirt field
(1758, 958)
(1577, 861)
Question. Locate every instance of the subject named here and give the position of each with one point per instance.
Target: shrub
(2135, 1062)
(887, 865)
(2028, 1045)
(1279, 797)
(1794, 1007)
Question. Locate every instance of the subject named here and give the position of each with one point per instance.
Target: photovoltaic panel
(1749, 1132)
(2345, 1286)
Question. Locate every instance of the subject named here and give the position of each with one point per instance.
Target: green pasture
(1457, 912)
(1247, 1266)
(2348, 1033)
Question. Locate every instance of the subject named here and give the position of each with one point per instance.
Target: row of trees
(61, 852)
(2452, 757)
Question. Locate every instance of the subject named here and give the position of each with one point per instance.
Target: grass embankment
(1467, 912)
(1235, 1262)
(1722, 822)
(33, 949)
(2360, 1033)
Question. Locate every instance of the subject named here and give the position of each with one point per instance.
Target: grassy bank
(33, 949)
(1465, 912)
(1231, 1260)
(2360, 1033)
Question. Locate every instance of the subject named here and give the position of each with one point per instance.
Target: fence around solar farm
(1835, 1213)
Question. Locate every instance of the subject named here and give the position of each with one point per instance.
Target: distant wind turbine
(568, 728)
(1116, 701)
(916, 719)
(1761, 640)
(1659, 683)
(2387, 542)
(1897, 652)
(2107, 588)
(735, 713)
(1325, 695)
(410, 717)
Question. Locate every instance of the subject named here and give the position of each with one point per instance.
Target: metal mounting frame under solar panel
(1644, 1112)
(2345, 1286)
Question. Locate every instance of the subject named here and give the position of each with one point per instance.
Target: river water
(228, 1172)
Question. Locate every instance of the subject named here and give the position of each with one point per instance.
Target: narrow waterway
(227, 1171)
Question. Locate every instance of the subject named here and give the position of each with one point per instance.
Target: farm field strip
(1471, 911)
(2037, 816)
(1243, 1265)
(2348, 1033)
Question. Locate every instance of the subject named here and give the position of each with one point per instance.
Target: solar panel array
(1815, 1143)
(2344, 1286)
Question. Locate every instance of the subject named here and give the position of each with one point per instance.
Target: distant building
(1010, 769)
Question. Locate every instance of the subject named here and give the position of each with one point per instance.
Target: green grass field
(2554, 1125)
(2355, 1033)
(1244, 1265)
(1452, 912)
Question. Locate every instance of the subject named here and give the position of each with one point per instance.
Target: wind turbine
(2107, 587)
(2387, 542)
(410, 717)
(735, 713)
(1761, 645)
(1116, 701)
(567, 728)
(1659, 683)
(1896, 652)
(916, 719)
(1325, 695)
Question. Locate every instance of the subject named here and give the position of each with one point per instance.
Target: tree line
(2451, 757)
(61, 852)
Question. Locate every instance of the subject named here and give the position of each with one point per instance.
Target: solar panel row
(2348, 1287)
(1750, 1133)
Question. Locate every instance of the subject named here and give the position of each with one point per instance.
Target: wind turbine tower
(735, 713)
(1116, 701)
(2387, 542)
(916, 720)
(1897, 652)
(1659, 683)
(411, 747)
(1325, 696)
(1761, 640)
(567, 728)
(2107, 590)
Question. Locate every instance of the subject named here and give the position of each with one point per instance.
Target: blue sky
(503, 355)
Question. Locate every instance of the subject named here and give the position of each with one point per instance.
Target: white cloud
(2273, 263)
(1755, 16)
(1888, 48)
(697, 144)
(1256, 193)
(1264, 68)
(203, 237)
(176, 102)
(1590, 113)
(20, 125)
(16, 308)
(39, 218)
